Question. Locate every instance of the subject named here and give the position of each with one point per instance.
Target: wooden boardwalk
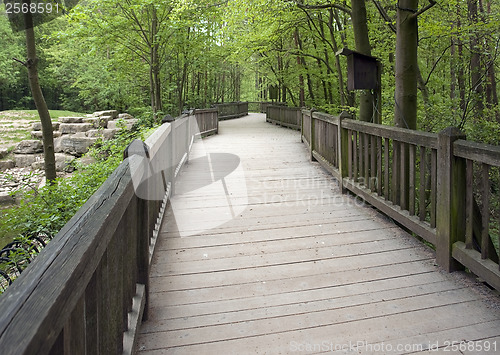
(272, 259)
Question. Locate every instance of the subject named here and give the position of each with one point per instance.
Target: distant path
(301, 268)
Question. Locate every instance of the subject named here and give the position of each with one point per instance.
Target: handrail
(232, 110)
(424, 181)
(87, 290)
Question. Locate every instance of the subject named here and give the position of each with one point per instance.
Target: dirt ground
(14, 127)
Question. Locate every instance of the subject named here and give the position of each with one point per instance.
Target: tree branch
(325, 6)
(20, 61)
(420, 12)
(385, 16)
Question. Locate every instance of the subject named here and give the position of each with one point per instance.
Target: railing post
(450, 214)
(143, 233)
(311, 145)
(343, 147)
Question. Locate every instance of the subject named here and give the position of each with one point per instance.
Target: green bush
(46, 210)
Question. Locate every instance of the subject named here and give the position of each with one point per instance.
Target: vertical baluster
(335, 144)
(373, 168)
(92, 308)
(74, 330)
(395, 182)
(403, 176)
(355, 158)
(469, 204)
(104, 309)
(386, 168)
(379, 166)
(411, 207)
(485, 210)
(349, 152)
(360, 156)
(366, 158)
(433, 186)
(421, 188)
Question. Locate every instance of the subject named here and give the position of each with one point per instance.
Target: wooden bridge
(257, 250)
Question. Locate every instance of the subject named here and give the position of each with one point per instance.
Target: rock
(71, 119)
(6, 199)
(39, 135)
(37, 126)
(87, 160)
(117, 124)
(3, 152)
(7, 164)
(125, 116)
(27, 160)
(112, 113)
(97, 122)
(30, 146)
(71, 128)
(73, 145)
(62, 162)
(105, 134)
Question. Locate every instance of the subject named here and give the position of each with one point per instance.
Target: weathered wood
(387, 168)
(344, 152)
(79, 283)
(434, 182)
(412, 186)
(421, 189)
(450, 194)
(484, 268)
(403, 177)
(281, 273)
(74, 330)
(485, 210)
(479, 152)
(355, 155)
(349, 151)
(396, 172)
(366, 159)
(379, 165)
(373, 162)
(403, 135)
(469, 202)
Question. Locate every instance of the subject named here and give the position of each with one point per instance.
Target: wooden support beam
(450, 199)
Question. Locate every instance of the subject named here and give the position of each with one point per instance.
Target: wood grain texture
(300, 265)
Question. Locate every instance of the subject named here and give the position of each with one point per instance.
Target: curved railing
(439, 186)
(87, 289)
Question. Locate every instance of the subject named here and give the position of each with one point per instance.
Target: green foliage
(47, 209)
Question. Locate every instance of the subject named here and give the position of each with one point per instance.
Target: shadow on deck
(271, 258)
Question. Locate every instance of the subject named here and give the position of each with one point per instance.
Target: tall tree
(362, 40)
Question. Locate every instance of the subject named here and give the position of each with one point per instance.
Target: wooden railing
(261, 106)
(422, 180)
(284, 116)
(87, 291)
(232, 110)
(208, 121)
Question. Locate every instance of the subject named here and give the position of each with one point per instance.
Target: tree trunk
(360, 28)
(405, 114)
(475, 61)
(41, 105)
(491, 82)
(302, 95)
(337, 59)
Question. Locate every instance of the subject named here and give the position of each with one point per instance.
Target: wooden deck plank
(298, 264)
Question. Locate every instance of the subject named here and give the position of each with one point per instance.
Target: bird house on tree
(362, 70)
